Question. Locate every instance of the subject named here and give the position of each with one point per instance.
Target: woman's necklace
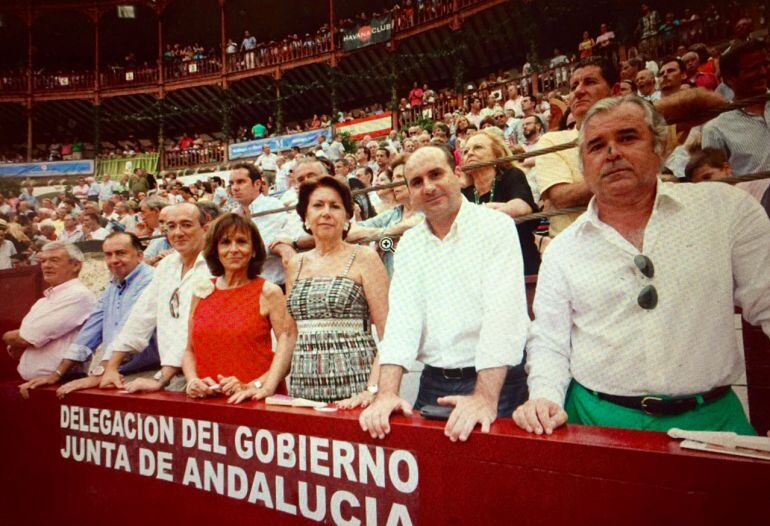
(491, 192)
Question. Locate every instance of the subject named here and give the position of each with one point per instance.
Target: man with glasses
(164, 305)
(634, 322)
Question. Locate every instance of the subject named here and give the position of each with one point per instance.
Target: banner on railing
(282, 142)
(378, 30)
(374, 126)
(52, 169)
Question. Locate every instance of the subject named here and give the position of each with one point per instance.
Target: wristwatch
(373, 389)
(257, 384)
(96, 371)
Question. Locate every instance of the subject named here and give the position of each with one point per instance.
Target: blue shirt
(156, 246)
(384, 220)
(107, 319)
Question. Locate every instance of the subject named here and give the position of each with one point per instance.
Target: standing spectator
(138, 181)
(647, 30)
(54, 320)
(481, 372)
(605, 40)
(415, 96)
(248, 45)
(559, 64)
(335, 292)
(236, 360)
(266, 162)
(258, 131)
(586, 47)
(474, 116)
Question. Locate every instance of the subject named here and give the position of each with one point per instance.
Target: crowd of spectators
(460, 258)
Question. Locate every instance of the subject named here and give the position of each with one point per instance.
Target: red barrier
(268, 455)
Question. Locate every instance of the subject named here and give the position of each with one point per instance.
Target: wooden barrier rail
(198, 460)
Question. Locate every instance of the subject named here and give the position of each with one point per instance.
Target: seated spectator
(695, 77)
(54, 320)
(164, 305)
(743, 134)
(334, 292)
(7, 248)
(235, 362)
(393, 222)
(465, 259)
(672, 76)
(92, 230)
(72, 232)
(616, 351)
(646, 86)
(503, 188)
(711, 165)
(129, 277)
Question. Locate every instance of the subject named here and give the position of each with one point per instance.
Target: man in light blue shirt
(106, 189)
(130, 276)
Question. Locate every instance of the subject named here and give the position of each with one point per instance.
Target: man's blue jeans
(513, 394)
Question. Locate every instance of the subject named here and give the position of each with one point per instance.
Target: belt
(658, 406)
(463, 373)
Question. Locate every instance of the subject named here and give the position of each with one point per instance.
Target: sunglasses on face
(648, 297)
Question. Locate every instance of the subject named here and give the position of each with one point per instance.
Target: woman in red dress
(230, 346)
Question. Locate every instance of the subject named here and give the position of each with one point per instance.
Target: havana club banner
(378, 30)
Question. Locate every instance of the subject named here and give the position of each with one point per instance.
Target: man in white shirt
(247, 185)
(267, 163)
(457, 304)
(513, 103)
(92, 230)
(164, 305)
(7, 249)
(634, 321)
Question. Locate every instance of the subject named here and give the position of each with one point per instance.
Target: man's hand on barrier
(111, 379)
(88, 382)
(541, 414)
(468, 411)
(376, 418)
(25, 388)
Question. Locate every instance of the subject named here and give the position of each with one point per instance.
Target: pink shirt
(51, 325)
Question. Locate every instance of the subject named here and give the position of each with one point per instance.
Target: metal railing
(193, 157)
(119, 76)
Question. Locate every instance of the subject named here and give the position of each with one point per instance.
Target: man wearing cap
(634, 323)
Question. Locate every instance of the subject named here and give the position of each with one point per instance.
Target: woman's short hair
(307, 188)
(237, 223)
(499, 148)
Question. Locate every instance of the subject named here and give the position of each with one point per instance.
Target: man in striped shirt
(743, 134)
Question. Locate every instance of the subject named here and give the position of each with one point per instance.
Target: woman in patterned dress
(335, 292)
